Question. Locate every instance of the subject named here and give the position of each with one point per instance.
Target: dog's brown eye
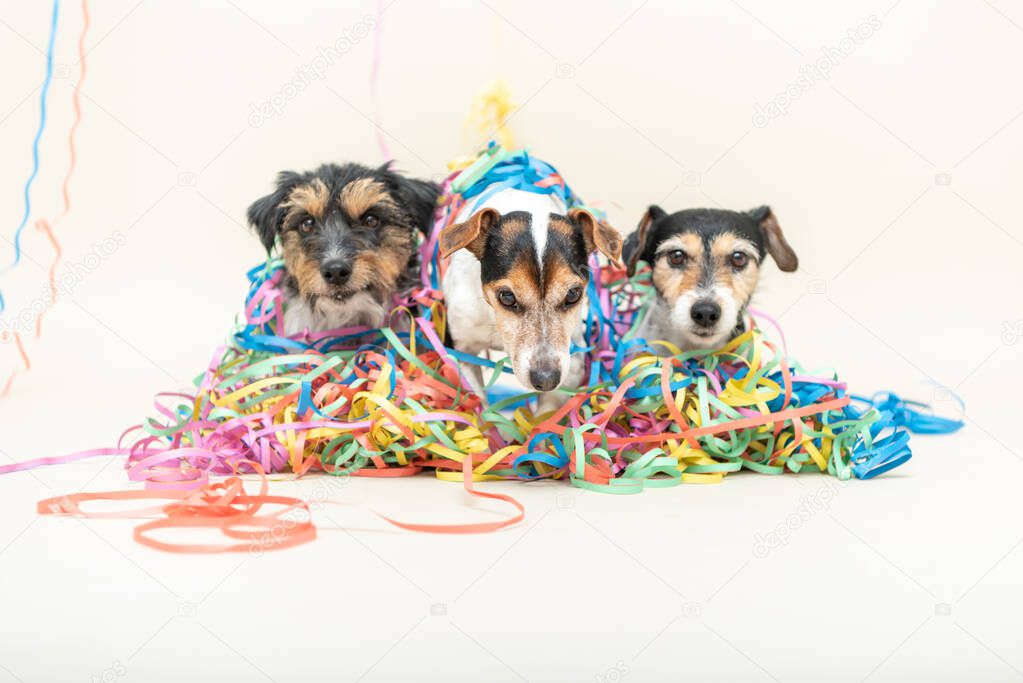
(677, 258)
(307, 224)
(739, 259)
(506, 298)
(573, 296)
(370, 220)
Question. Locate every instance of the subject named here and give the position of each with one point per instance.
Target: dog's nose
(545, 378)
(335, 272)
(705, 313)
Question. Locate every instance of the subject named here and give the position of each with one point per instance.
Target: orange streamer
(42, 224)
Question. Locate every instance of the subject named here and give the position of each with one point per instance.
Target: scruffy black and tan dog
(706, 265)
(348, 238)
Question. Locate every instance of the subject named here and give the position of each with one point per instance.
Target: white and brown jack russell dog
(516, 282)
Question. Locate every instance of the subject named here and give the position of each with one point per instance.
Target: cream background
(904, 282)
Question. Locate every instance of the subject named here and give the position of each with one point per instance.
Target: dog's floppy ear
(266, 214)
(598, 236)
(636, 245)
(421, 198)
(471, 235)
(777, 246)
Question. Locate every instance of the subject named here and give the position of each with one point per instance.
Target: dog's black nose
(335, 272)
(545, 378)
(705, 313)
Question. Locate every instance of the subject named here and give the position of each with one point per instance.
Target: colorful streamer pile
(393, 402)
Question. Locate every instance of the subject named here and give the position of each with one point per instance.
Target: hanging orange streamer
(47, 227)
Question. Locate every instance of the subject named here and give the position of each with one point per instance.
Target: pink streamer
(374, 74)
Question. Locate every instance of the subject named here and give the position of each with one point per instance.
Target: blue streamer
(35, 145)
(912, 415)
(532, 455)
(886, 452)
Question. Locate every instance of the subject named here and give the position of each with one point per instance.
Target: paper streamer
(47, 79)
(488, 117)
(65, 188)
(42, 225)
(374, 78)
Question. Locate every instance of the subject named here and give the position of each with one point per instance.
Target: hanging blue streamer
(35, 145)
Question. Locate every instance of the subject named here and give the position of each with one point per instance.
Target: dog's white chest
(360, 310)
